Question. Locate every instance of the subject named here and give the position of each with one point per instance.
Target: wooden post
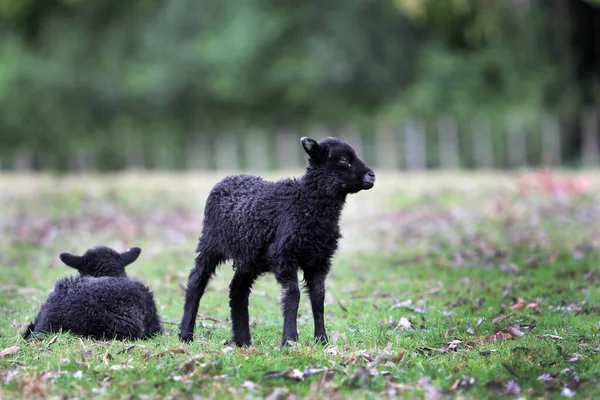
(589, 130)
(48, 161)
(551, 143)
(256, 150)
(79, 161)
(134, 155)
(483, 151)
(22, 160)
(198, 151)
(386, 147)
(287, 149)
(165, 159)
(517, 144)
(414, 147)
(226, 151)
(448, 146)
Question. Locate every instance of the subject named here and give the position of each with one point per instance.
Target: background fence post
(22, 160)
(287, 149)
(386, 147)
(198, 152)
(227, 151)
(448, 146)
(516, 144)
(589, 130)
(256, 150)
(551, 140)
(483, 149)
(415, 152)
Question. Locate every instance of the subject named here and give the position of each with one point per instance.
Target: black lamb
(276, 227)
(101, 302)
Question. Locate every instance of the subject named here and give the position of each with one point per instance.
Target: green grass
(458, 247)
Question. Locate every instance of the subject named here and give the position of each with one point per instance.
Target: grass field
(467, 285)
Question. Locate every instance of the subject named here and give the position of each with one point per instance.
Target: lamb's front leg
(315, 283)
(239, 291)
(290, 299)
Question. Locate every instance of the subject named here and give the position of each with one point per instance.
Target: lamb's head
(336, 166)
(101, 261)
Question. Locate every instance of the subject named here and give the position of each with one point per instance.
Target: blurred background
(219, 84)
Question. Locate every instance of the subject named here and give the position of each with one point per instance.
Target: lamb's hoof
(322, 339)
(186, 337)
(289, 341)
(242, 342)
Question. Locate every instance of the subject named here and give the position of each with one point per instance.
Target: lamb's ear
(71, 260)
(130, 255)
(315, 151)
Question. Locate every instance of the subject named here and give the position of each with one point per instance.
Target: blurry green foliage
(84, 73)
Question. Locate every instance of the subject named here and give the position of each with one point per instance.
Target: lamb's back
(96, 307)
(243, 211)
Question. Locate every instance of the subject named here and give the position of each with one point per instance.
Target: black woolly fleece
(101, 302)
(277, 227)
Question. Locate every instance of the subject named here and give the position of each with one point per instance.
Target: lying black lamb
(101, 302)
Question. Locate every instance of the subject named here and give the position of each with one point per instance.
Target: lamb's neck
(325, 205)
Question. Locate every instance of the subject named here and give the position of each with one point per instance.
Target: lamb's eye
(344, 160)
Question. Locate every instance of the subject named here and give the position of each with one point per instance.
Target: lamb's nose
(370, 177)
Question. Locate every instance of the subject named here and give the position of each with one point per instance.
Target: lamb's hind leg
(239, 291)
(206, 264)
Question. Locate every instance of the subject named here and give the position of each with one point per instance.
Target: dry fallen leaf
(515, 331)
(464, 383)
(470, 329)
(452, 345)
(118, 367)
(170, 351)
(51, 342)
(10, 375)
(499, 336)
(591, 276)
(555, 337)
(293, 374)
(510, 388)
(397, 358)
(432, 392)
(245, 351)
(449, 332)
(9, 350)
(405, 323)
(392, 388)
(519, 305)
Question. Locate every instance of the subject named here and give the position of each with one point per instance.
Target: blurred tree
(84, 74)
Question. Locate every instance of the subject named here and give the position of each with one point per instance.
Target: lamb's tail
(28, 331)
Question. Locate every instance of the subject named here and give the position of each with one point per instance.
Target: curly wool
(101, 302)
(277, 227)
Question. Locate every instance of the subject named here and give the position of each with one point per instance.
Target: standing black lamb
(276, 227)
(101, 302)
